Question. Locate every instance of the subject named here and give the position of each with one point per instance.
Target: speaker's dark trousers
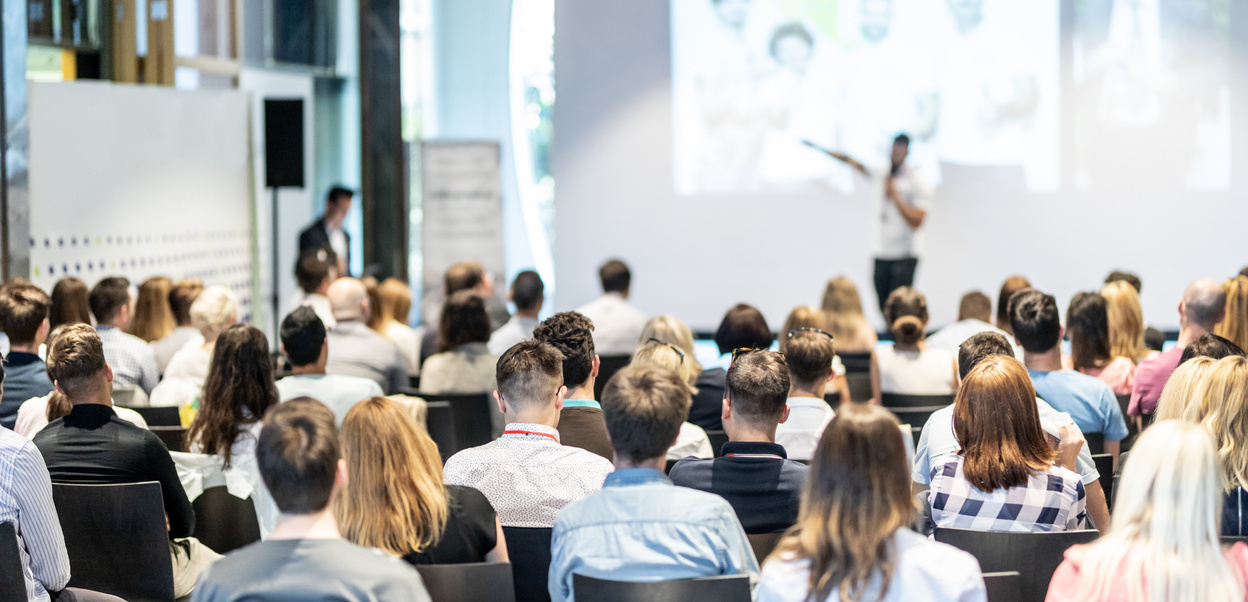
(892, 274)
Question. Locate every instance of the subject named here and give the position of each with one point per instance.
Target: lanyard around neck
(519, 432)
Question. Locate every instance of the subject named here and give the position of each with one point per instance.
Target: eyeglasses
(797, 330)
(678, 350)
(739, 351)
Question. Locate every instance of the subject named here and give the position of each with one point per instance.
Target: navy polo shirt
(757, 479)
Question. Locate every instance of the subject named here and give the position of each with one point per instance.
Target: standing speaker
(283, 143)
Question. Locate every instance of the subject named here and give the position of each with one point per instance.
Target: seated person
(1202, 308)
(91, 445)
(24, 318)
(580, 421)
(1087, 326)
(390, 319)
(692, 441)
(909, 366)
(617, 323)
(640, 527)
(129, 356)
(305, 558)
(463, 276)
(858, 503)
(1003, 477)
(315, 271)
(809, 355)
(214, 310)
(752, 473)
(463, 363)
(396, 501)
(974, 317)
(743, 327)
(528, 475)
(181, 297)
(528, 293)
(306, 345)
(354, 348)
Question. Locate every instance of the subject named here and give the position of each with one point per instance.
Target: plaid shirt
(131, 358)
(1052, 500)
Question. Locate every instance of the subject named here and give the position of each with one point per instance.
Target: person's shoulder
(13, 445)
(932, 555)
(352, 383)
(587, 459)
(469, 498)
(689, 472)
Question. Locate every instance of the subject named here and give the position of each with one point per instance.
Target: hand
(860, 168)
(1068, 448)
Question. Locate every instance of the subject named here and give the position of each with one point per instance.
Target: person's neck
(32, 348)
(308, 370)
(658, 463)
(117, 324)
(583, 391)
(103, 398)
(186, 325)
(543, 418)
(318, 525)
(919, 346)
(621, 294)
(1046, 361)
(530, 314)
(1189, 333)
(740, 433)
(816, 392)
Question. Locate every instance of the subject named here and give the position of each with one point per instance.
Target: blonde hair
(214, 310)
(1163, 542)
(153, 317)
(842, 310)
(1223, 396)
(802, 317)
(1234, 327)
(1126, 321)
(660, 354)
(1177, 397)
(395, 499)
(671, 330)
(394, 301)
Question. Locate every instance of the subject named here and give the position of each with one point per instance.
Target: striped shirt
(130, 357)
(26, 501)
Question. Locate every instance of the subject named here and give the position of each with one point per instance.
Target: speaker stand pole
(274, 271)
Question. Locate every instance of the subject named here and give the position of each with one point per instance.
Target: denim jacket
(640, 527)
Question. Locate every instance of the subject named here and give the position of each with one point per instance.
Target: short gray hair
(1204, 302)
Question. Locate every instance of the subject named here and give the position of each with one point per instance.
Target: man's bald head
(349, 299)
(1204, 303)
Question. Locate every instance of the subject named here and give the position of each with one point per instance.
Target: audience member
(306, 345)
(807, 317)
(395, 499)
(937, 438)
(463, 363)
(1210, 345)
(1154, 340)
(1089, 401)
(974, 314)
(1244, 272)
(132, 361)
(1087, 325)
(1202, 308)
(1164, 542)
(1128, 277)
(528, 293)
(463, 276)
(580, 421)
(214, 310)
(842, 309)
(1003, 477)
(305, 557)
(328, 232)
(1126, 321)
(395, 303)
(91, 445)
(1234, 327)
(809, 356)
(909, 366)
(753, 474)
(617, 324)
(639, 527)
(181, 297)
(354, 349)
(153, 318)
(315, 271)
(69, 303)
(1220, 404)
(24, 318)
(743, 327)
(1180, 399)
(692, 440)
(852, 540)
(1012, 285)
(528, 475)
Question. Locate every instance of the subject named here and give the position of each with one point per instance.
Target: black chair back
(1003, 587)
(174, 437)
(729, 588)
(441, 427)
(859, 386)
(833, 399)
(718, 439)
(915, 417)
(116, 539)
(1105, 466)
(224, 522)
(158, 416)
(529, 549)
(1035, 556)
(608, 365)
(1096, 443)
(1124, 401)
(1230, 540)
(856, 363)
(763, 544)
(469, 424)
(12, 582)
(903, 401)
(468, 582)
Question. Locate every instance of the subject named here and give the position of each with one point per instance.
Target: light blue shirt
(1089, 401)
(640, 527)
(581, 403)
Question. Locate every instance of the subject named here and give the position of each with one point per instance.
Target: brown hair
(975, 306)
(76, 359)
(395, 499)
(1126, 321)
(906, 314)
(153, 317)
(644, 406)
(1087, 324)
(69, 303)
(615, 277)
(298, 455)
(237, 392)
(742, 326)
(464, 320)
(394, 301)
(1234, 326)
(801, 317)
(463, 276)
(809, 356)
(375, 320)
(23, 308)
(1012, 285)
(107, 298)
(529, 374)
(997, 426)
(181, 296)
(856, 497)
(758, 385)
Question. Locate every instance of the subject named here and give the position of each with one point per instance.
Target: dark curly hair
(238, 391)
(573, 335)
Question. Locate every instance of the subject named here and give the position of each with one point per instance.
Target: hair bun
(907, 330)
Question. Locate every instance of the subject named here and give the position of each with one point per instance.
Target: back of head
(1234, 325)
(463, 276)
(1224, 401)
(906, 314)
(671, 357)
(527, 291)
(337, 194)
(997, 425)
(1178, 399)
(809, 356)
(1128, 277)
(1012, 285)
(1126, 321)
(1211, 346)
(346, 298)
(743, 327)
(214, 309)
(182, 296)
(394, 499)
(395, 301)
(615, 277)
(23, 308)
(464, 320)
(644, 406)
(758, 386)
(303, 335)
(529, 375)
(1035, 321)
(153, 317)
(1204, 303)
(1087, 324)
(671, 330)
(298, 455)
(76, 361)
(237, 392)
(841, 297)
(979, 347)
(107, 298)
(314, 268)
(856, 497)
(975, 306)
(801, 317)
(572, 334)
(69, 303)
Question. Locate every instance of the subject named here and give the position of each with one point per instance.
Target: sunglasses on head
(739, 351)
(678, 350)
(824, 333)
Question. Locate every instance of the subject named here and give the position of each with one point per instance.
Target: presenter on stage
(906, 201)
(328, 231)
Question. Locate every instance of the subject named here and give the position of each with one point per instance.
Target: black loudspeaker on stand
(283, 167)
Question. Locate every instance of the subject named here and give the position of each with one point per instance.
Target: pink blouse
(1118, 374)
(1068, 579)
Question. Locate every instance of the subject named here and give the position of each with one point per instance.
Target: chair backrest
(608, 365)
(174, 437)
(473, 581)
(12, 582)
(833, 399)
(727, 588)
(763, 544)
(470, 424)
(916, 417)
(224, 522)
(901, 400)
(1124, 401)
(718, 439)
(1005, 586)
(1096, 443)
(157, 416)
(856, 362)
(130, 396)
(116, 539)
(529, 549)
(1105, 465)
(1034, 555)
(859, 386)
(441, 427)
(1231, 540)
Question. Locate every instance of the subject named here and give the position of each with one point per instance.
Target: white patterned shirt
(130, 357)
(1052, 500)
(26, 501)
(527, 474)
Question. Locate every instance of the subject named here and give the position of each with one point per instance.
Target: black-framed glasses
(824, 333)
(739, 351)
(678, 350)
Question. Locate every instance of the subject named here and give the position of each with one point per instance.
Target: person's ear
(831, 377)
(108, 373)
(41, 334)
(785, 414)
(726, 412)
(502, 405)
(1061, 330)
(341, 478)
(597, 363)
(559, 396)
